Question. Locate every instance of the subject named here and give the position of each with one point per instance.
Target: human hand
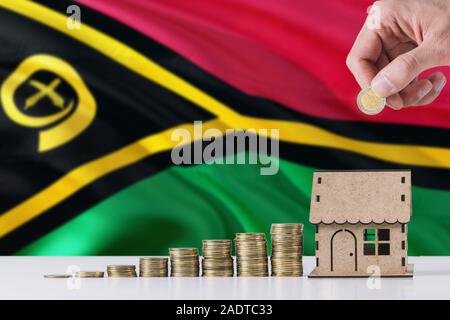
(413, 36)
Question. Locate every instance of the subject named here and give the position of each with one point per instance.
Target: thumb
(401, 71)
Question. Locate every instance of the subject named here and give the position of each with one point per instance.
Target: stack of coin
(287, 249)
(89, 274)
(184, 262)
(217, 260)
(57, 276)
(251, 255)
(121, 271)
(153, 267)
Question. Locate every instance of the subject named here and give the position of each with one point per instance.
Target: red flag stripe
(289, 51)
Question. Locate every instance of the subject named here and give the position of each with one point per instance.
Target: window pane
(383, 234)
(369, 249)
(383, 249)
(369, 234)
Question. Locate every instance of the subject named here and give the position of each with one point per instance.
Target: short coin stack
(153, 267)
(89, 274)
(57, 276)
(251, 255)
(184, 262)
(121, 271)
(287, 249)
(217, 260)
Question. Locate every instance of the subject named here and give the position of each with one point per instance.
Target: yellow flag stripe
(122, 54)
(293, 132)
(89, 172)
(306, 134)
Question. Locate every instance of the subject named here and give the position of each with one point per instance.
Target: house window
(383, 249)
(319, 180)
(369, 242)
(376, 242)
(383, 234)
(369, 234)
(403, 179)
(317, 198)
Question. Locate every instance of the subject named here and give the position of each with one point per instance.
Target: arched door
(343, 251)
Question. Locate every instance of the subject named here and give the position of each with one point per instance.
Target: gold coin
(287, 250)
(251, 255)
(369, 103)
(89, 274)
(57, 276)
(153, 267)
(121, 267)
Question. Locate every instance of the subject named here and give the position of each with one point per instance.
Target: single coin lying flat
(370, 103)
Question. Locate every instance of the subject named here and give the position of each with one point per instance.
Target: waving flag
(87, 115)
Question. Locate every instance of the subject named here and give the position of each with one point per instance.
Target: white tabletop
(22, 278)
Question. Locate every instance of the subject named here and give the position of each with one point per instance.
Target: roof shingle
(361, 197)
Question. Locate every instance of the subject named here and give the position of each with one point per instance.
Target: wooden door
(343, 252)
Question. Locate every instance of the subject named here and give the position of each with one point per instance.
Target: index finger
(364, 55)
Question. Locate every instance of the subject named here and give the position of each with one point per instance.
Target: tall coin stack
(153, 267)
(217, 260)
(251, 255)
(184, 262)
(287, 250)
(121, 271)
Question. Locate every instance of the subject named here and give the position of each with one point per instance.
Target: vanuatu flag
(92, 91)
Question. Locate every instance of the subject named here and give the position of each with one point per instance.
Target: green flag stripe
(183, 205)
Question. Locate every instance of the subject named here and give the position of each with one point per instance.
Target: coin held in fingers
(370, 103)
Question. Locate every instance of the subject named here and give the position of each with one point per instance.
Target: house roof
(361, 197)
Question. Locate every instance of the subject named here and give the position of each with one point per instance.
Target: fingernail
(422, 93)
(382, 86)
(440, 85)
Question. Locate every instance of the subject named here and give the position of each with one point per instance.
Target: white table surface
(22, 278)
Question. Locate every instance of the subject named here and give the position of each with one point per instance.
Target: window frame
(368, 233)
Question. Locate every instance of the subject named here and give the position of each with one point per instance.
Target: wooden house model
(361, 220)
